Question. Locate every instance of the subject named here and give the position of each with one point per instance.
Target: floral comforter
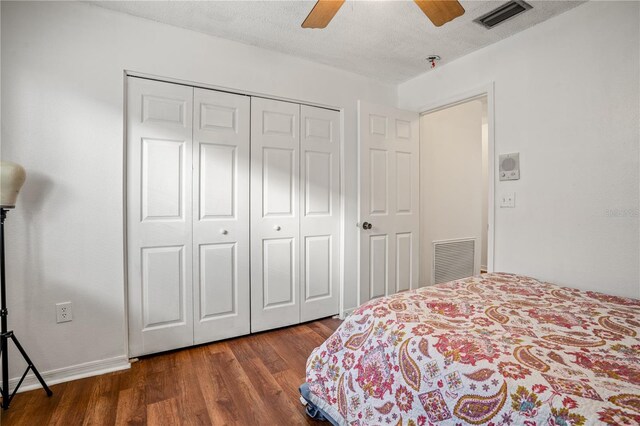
(496, 349)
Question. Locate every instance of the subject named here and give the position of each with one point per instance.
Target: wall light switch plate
(64, 313)
(508, 200)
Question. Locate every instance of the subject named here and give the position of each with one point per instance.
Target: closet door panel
(159, 281)
(275, 284)
(218, 284)
(279, 272)
(278, 182)
(320, 212)
(218, 186)
(318, 261)
(221, 219)
(162, 179)
(163, 286)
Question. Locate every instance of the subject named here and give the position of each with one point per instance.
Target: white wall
(451, 180)
(62, 86)
(567, 98)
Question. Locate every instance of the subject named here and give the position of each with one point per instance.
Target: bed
(496, 349)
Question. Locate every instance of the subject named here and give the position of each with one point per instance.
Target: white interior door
(159, 212)
(221, 215)
(389, 200)
(275, 244)
(319, 212)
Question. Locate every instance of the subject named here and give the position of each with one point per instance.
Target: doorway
(455, 191)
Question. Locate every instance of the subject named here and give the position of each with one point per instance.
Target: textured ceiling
(385, 40)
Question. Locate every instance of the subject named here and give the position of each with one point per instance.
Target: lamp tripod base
(4, 346)
(5, 334)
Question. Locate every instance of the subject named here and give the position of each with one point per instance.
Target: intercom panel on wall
(510, 166)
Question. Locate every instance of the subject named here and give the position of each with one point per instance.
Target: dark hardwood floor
(251, 380)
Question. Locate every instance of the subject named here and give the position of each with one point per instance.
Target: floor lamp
(12, 177)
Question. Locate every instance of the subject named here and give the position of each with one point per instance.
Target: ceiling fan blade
(322, 13)
(440, 11)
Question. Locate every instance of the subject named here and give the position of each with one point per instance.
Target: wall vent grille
(453, 259)
(503, 13)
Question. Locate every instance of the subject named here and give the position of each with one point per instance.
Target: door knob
(366, 225)
(224, 231)
(277, 227)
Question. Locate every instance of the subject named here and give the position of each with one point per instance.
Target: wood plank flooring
(251, 380)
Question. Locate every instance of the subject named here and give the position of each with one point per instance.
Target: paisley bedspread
(496, 349)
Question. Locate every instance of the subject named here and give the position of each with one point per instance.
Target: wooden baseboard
(74, 372)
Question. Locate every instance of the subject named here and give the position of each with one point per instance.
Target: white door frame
(487, 90)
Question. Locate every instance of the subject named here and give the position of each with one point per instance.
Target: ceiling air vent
(503, 13)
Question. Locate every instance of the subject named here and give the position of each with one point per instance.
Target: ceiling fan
(438, 11)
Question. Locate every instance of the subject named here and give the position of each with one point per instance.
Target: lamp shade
(12, 176)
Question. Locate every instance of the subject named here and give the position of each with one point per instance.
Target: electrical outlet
(64, 313)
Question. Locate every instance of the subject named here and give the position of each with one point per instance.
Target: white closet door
(221, 215)
(274, 214)
(159, 131)
(319, 212)
(389, 200)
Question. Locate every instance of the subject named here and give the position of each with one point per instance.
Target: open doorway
(454, 192)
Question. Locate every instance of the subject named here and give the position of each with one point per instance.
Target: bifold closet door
(319, 212)
(159, 215)
(187, 215)
(220, 215)
(275, 144)
(190, 155)
(295, 213)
